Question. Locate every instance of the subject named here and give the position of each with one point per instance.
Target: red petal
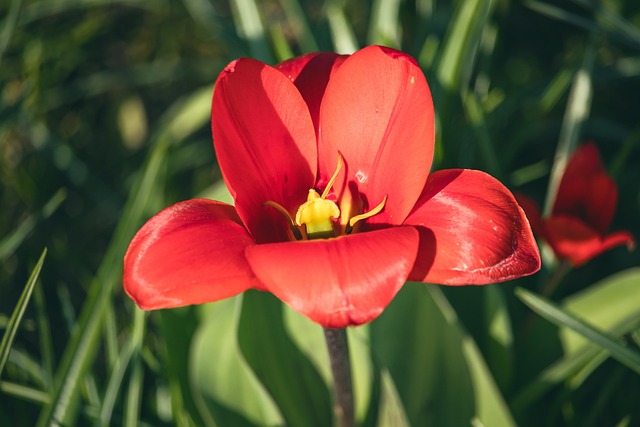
(586, 192)
(190, 253)
(473, 231)
(377, 111)
(585, 161)
(575, 241)
(265, 143)
(310, 73)
(338, 282)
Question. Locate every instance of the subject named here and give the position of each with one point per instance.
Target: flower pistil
(314, 218)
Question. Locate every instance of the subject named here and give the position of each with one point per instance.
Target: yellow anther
(372, 212)
(315, 217)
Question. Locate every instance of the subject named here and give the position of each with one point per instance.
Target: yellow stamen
(372, 212)
(315, 217)
(325, 193)
(294, 229)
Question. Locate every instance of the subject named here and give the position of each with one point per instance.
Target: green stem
(343, 391)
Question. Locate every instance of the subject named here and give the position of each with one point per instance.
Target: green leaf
(562, 317)
(440, 375)
(499, 335)
(604, 305)
(292, 380)
(225, 389)
(391, 412)
(18, 312)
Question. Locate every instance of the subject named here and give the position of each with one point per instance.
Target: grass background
(104, 120)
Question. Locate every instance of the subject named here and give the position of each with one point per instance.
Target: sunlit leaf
(499, 335)
(603, 305)
(291, 379)
(225, 389)
(439, 373)
(392, 412)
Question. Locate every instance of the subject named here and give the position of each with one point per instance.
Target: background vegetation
(104, 120)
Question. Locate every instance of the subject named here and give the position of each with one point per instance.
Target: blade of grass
(9, 25)
(342, 34)
(280, 43)
(44, 335)
(560, 14)
(560, 317)
(202, 12)
(624, 29)
(384, 27)
(44, 9)
(10, 243)
(134, 392)
(577, 111)
(22, 392)
(132, 347)
(18, 312)
(461, 42)
(608, 22)
(454, 65)
(250, 28)
(112, 350)
(555, 90)
(475, 114)
(298, 20)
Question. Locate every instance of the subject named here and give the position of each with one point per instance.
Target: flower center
(315, 218)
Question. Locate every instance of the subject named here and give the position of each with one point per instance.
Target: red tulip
(327, 158)
(577, 228)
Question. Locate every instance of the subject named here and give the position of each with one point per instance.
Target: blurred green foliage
(104, 120)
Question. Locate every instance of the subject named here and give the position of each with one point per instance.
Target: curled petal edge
(189, 253)
(472, 231)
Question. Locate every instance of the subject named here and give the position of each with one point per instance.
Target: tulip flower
(328, 160)
(584, 206)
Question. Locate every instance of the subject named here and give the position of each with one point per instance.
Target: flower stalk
(338, 348)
